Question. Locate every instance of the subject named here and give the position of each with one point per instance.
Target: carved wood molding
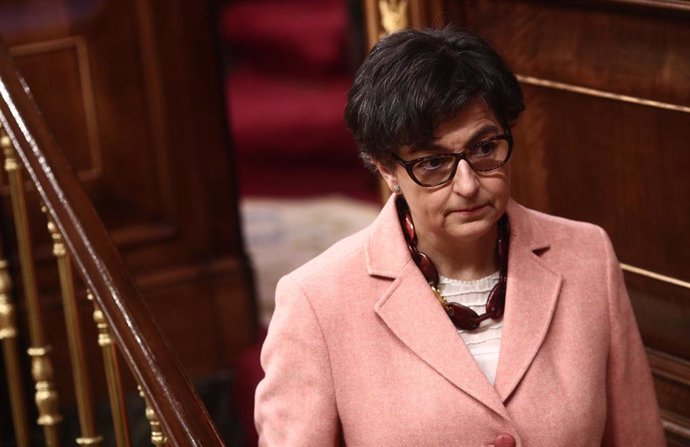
(670, 5)
(546, 83)
(76, 46)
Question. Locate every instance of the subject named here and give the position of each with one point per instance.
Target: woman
(459, 317)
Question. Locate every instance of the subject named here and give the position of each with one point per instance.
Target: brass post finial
(58, 244)
(104, 337)
(157, 435)
(46, 396)
(8, 150)
(7, 323)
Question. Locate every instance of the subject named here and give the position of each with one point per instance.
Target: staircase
(90, 266)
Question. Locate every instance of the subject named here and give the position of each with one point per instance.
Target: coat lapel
(413, 314)
(531, 299)
(411, 311)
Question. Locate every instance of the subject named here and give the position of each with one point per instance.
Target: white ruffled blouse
(484, 342)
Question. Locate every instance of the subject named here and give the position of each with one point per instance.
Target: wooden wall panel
(613, 163)
(605, 139)
(71, 112)
(133, 92)
(616, 48)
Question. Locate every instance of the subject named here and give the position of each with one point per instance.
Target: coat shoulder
(337, 260)
(557, 229)
(564, 245)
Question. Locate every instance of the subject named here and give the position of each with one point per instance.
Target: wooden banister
(182, 415)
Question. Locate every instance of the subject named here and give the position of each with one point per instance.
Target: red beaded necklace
(462, 316)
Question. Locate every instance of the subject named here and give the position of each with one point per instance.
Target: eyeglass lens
(487, 156)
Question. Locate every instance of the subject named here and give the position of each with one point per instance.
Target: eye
(485, 148)
(434, 163)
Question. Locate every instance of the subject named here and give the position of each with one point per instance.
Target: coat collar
(386, 251)
(412, 312)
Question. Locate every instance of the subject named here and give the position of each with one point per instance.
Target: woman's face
(469, 205)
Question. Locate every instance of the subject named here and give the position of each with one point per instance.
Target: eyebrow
(476, 137)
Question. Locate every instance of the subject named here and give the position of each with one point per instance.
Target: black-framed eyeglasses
(435, 170)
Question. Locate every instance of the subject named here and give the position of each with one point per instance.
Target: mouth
(471, 210)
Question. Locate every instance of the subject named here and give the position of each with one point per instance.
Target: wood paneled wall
(605, 139)
(132, 90)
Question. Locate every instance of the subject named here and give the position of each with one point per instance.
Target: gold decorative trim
(8, 326)
(11, 164)
(654, 275)
(531, 80)
(393, 15)
(94, 440)
(46, 397)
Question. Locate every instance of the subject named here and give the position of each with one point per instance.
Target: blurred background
(209, 137)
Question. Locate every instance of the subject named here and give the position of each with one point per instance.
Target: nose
(465, 181)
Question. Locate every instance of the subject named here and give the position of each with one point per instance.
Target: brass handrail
(181, 413)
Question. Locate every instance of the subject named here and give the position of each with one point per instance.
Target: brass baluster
(112, 374)
(41, 367)
(157, 435)
(82, 385)
(8, 336)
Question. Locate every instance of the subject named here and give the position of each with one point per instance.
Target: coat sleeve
(632, 409)
(295, 402)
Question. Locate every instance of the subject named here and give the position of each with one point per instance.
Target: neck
(461, 259)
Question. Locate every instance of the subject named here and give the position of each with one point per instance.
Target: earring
(396, 189)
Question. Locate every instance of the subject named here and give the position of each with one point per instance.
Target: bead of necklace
(462, 316)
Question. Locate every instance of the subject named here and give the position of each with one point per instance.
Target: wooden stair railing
(76, 225)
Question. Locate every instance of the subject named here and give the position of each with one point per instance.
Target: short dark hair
(414, 80)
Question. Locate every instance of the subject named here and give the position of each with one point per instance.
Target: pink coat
(359, 351)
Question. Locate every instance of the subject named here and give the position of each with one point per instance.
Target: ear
(389, 176)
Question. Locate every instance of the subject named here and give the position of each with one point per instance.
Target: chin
(472, 230)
